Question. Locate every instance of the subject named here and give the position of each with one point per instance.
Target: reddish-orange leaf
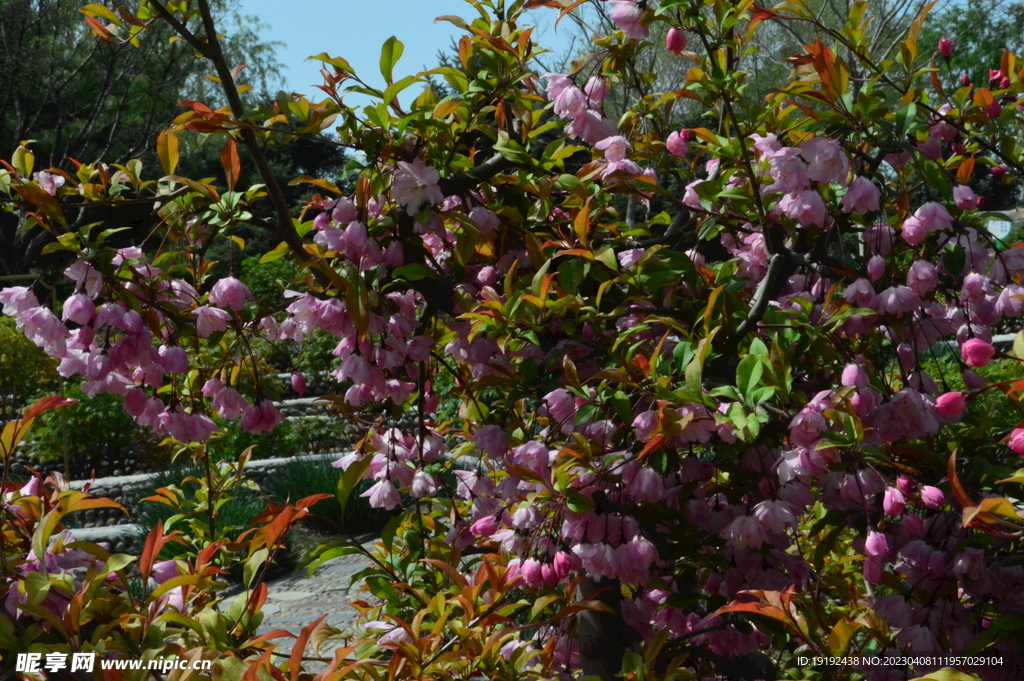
(295, 662)
(231, 163)
(654, 444)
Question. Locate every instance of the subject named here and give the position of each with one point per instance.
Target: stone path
(296, 600)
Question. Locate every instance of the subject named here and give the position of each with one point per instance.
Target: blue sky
(355, 30)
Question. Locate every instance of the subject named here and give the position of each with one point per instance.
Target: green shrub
(232, 439)
(89, 431)
(26, 372)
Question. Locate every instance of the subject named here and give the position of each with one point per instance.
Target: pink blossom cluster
(103, 337)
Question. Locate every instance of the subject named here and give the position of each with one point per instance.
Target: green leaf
(578, 503)
(390, 53)
(336, 62)
(392, 91)
(97, 10)
(387, 535)
(279, 252)
(415, 272)
(253, 565)
(348, 481)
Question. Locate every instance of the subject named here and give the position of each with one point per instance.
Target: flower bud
(893, 502)
(298, 383)
(596, 89)
(876, 267)
(675, 41)
(933, 497)
(876, 546)
(997, 171)
(965, 79)
(945, 48)
(676, 144)
(1016, 442)
(977, 353)
(951, 404)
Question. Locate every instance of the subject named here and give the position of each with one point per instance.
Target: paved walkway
(296, 600)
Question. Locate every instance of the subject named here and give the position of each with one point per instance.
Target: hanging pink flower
(977, 353)
(827, 163)
(261, 418)
(231, 293)
(210, 320)
(675, 41)
(951, 404)
(1016, 442)
(862, 196)
(627, 14)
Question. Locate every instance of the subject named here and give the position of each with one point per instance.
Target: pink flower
(628, 14)
(49, 182)
(964, 197)
(876, 546)
(977, 353)
(210, 320)
(860, 293)
(932, 497)
(875, 268)
(897, 300)
(229, 403)
(806, 207)
(571, 102)
(531, 572)
(164, 570)
(487, 221)
(415, 184)
(855, 375)
(745, 531)
(563, 564)
(675, 41)
(79, 309)
(486, 526)
(774, 516)
(17, 299)
(174, 359)
(556, 83)
(261, 418)
(344, 211)
(615, 148)
(922, 277)
(826, 161)
(880, 238)
(491, 440)
(862, 196)
(893, 502)
(1016, 442)
(423, 485)
(298, 383)
(383, 495)
(630, 257)
(231, 293)
(951, 404)
(945, 47)
(596, 89)
(135, 402)
(677, 143)
(931, 217)
(789, 171)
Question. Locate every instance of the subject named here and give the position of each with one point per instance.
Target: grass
(302, 477)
